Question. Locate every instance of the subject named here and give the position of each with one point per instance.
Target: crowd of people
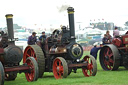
(107, 39)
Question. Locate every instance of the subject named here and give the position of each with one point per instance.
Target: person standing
(115, 32)
(32, 39)
(42, 38)
(94, 50)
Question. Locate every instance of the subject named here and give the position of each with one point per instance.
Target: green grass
(119, 77)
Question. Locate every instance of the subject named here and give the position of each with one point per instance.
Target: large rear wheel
(91, 68)
(2, 75)
(32, 75)
(60, 68)
(36, 52)
(109, 57)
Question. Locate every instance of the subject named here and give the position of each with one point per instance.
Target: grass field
(119, 77)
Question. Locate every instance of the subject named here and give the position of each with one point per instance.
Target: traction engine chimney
(71, 23)
(9, 19)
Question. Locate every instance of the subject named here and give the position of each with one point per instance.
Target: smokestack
(71, 23)
(9, 19)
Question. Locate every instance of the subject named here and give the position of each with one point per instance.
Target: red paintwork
(30, 75)
(87, 71)
(29, 52)
(108, 63)
(1, 51)
(17, 68)
(125, 39)
(58, 69)
(117, 41)
(78, 65)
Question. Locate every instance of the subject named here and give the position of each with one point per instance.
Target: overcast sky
(46, 12)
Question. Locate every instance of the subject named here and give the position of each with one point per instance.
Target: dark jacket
(94, 51)
(42, 38)
(32, 40)
(105, 40)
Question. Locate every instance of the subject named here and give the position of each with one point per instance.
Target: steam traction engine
(11, 56)
(116, 54)
(61, 54)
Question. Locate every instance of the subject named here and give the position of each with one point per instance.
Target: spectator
(42, 39)
(108, 36)
(105, 40)
(32, 39)
(115, 32)
(94, 50)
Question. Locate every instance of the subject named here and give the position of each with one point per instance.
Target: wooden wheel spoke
(110, 55)
(60, 63)
(105, 62)
(33, 54)
(61, 68)
(59, 74)
(90, 72)
(107, 51)
(28, 55)
(108, 65)
(90, 67)
(56, 64)
(111, 61)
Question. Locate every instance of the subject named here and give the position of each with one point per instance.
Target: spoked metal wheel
(36, 52)
(109, 57)
(33, 74)
(91, 68)
(60, 68)
(2, 75)
(10, 76)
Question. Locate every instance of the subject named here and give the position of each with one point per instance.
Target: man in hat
(94, 50)
(32, 39)
(105, 40)
(42, 38)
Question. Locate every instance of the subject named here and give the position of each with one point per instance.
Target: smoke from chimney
(63, 8)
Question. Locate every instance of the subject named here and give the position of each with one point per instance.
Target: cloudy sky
(46, 12)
